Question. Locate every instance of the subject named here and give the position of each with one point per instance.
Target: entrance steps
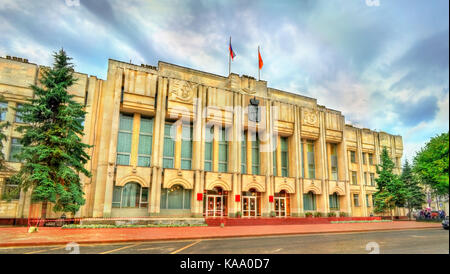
(142, 221)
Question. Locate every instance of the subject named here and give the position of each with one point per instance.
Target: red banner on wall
(199, 196)
(271, 199)
(237, 198)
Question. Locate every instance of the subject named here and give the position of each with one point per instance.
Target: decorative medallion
(182, 90)
(309, 118)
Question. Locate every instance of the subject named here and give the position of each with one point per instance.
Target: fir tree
(390, 189)
(415, 197)
(53, 155)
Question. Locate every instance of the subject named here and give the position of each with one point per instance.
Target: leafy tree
(415, 196)
(431, 164)
(53, 154)
(3, 126)
(391, 192)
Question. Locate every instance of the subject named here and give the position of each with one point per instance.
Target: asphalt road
(424, 241)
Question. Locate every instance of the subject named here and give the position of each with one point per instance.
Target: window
(3, 110)
(354, 178)
(309, 201)
(367, 200)
(209, 133)
(364, 158)
(284, 157)
(302, 161)
(371, 158)
(16, 148)
(18, 118)
(132, 195)
(223, 150)
(145, 142)
(124, 139)
(274, 154)
(353, 156)
(169, 147)
(372, 179)
(334, 202)
(186, 146)
(365, 179)
(255, 154)
(244, 152)
(175, 197)
(311, 160)
(356, 199)
(11, 190)
(334, 162)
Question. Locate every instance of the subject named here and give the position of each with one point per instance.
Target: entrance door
(215, 205)
(280, 206)
(249, 206)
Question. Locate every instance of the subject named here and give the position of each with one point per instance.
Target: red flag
(260, 60)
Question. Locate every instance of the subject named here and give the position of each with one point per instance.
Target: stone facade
(319, 163)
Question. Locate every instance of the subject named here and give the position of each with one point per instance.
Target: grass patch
(130, 226)
(368, 221)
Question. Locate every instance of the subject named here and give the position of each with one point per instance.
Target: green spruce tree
(391, 192)
(53, 155)
(415, 196)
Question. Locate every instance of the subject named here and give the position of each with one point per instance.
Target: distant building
(172, 141)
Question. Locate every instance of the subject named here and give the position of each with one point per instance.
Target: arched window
(132, 195)
(175, 197)
(334, 201)
(309, 201)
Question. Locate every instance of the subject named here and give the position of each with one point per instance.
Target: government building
(171, 141)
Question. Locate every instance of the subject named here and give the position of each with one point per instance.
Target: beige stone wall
(173, 93)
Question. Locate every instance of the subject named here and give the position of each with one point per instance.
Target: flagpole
(259, 70)
(229, 59)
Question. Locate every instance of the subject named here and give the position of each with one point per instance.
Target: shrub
(342, 214)
(308, 214)
(273, 214)
(331, 214)
(238, 214)
(317, 214)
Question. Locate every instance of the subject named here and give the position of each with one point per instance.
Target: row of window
(365, 156)
(356, 202)
(369, 178)
(4, 110)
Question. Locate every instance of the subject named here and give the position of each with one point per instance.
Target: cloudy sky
(383, 63)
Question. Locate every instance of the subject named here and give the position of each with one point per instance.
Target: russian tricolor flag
(232, 54)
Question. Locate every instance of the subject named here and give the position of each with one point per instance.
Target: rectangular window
(371, 158)
(353, 156)
(311, 160)
(124, 139)
(356, 199)
(244, 152)
(372, 179)
(334, 162)
(16, 148)
(255, 154)
(169, 147)
(145, 142)
(186, 147)
(302, 160)
(354, 178)
(274, 154)
(309, 201)
(18, 118)
(365, 179)
(3, 110)
(364, 158)
(334, 202)
(209, 134)
(11, 190)
(284, 157)
(223, 151)
(367, 200)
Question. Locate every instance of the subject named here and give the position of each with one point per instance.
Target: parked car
(445, 223)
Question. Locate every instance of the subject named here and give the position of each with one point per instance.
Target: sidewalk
(18, 236)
